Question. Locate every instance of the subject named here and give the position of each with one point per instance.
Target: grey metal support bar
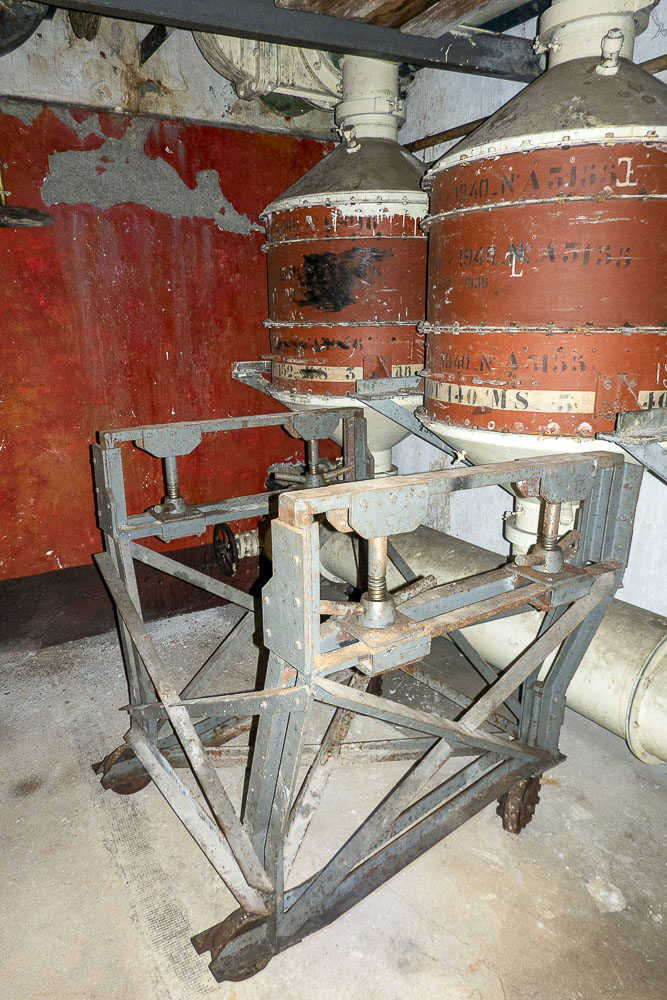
(241, 853)
(193, 576)
(448, 593)
(231, 706)
(228, 650)
(436, 683)
(411, 844)
(651, 455)
(370, 836)
(537, 653)
(456, 734)
(446, 790)
(316, 780)
(379, 393)
(269, 744)
(642, 433)
(199, 824)
(223, 754)
(466, 50)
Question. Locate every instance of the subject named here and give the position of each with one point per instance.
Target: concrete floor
(101, 892)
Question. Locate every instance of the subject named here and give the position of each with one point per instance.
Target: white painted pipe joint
(371, 105)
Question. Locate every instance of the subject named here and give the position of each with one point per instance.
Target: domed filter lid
(377, 167)
(572, 103)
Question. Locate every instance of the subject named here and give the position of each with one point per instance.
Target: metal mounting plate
(403, 509)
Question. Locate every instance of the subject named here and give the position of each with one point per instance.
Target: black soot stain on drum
(330, 280)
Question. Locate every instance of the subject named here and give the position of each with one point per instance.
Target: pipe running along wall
(621, 683)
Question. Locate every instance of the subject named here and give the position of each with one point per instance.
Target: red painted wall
(123, 315)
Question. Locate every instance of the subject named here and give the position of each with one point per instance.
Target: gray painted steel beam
(231, 706)
(409, 845)
(240, 636)
(537, 653)
(200, 826)
(193, 576)
(466, 50)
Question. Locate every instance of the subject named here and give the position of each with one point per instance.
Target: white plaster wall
(438, 100)
(54, 66)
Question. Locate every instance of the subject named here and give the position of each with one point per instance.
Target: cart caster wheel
(122, 772)
(239, 946)
(517, 806)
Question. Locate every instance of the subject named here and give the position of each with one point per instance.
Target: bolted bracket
(380, 513)
(169, 440)
(313, 426)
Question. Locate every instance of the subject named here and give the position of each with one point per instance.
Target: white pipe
(621, 683)
(371, 105)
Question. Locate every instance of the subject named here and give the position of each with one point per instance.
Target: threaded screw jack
(173, 491)
(550, 525)
(377, 569)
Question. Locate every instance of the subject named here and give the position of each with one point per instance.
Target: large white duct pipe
(622, 681)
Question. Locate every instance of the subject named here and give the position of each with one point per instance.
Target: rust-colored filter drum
(547, 300)
(347, 272)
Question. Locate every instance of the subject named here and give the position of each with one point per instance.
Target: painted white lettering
(629, 181)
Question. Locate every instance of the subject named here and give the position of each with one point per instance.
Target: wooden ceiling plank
(444, 14)
(387, 13)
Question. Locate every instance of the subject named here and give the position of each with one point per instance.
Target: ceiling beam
(465, 50)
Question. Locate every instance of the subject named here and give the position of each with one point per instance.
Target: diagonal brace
(203, 769)
(384, 710)
(538, 652)
(199, 825)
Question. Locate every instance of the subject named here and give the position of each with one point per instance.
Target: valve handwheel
(225, 548)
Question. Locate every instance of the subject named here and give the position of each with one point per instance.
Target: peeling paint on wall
(129, 309)
(120, 171)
